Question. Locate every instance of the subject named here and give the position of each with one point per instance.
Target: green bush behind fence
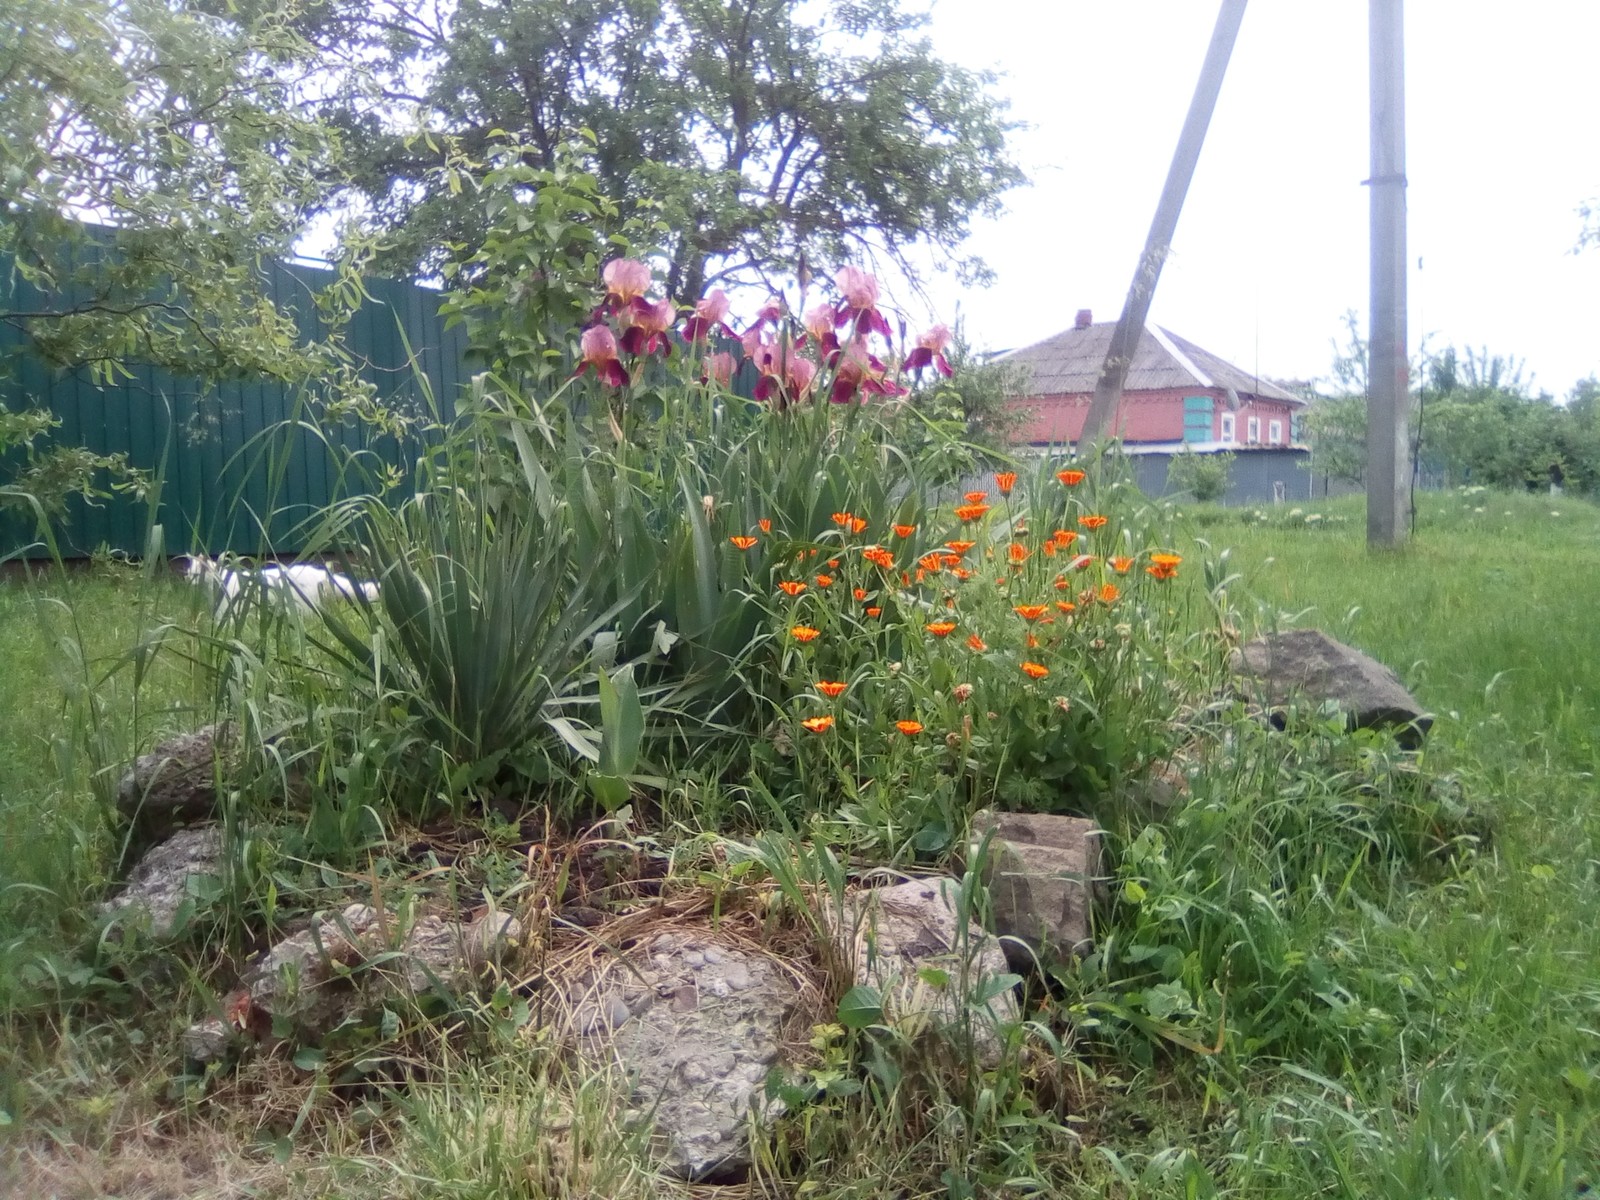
(243, 463)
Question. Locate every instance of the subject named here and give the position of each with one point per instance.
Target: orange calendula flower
(857, 524)
(930, 562)
(1120, 564)
(1033, 642)
(1108, 593)
(961, 573)
(961, 547)
(833, 564)
(950, 560)
(818, 724)
(743, 543)
(1049, 547)
(874, 612)
(860, 593)
(1064, 537)
(977, 643)
(824, 581)
(976, 497)
(804, 633)
(941, 629)
(1035, 670)
(1018, 552)
(766, 524)
(970, 512)
(1163, 566)
(1029, 612)
(1070, 478)
(904, 531)
(1092, 521)
(791, 587)
(878, 557)
(843, 519)
(909, 728)
(1005, 481)
(1066, 606)
(831, 688)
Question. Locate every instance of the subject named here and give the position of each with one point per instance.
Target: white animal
(306, 585)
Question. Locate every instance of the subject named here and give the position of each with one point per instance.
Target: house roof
(1069, 364)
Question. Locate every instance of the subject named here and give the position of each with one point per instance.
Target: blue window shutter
(1197, 413)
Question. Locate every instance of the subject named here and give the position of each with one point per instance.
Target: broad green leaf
(860, 1007)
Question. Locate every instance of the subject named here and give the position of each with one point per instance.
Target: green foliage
(181, 133)
(532, 277)
(1203, 476)
(761, 133)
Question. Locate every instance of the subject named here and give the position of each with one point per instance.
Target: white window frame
(1274, 432)
(1253, 430)
(1227, 427)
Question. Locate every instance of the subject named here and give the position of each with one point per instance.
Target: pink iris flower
(626, 280)
(710, 313)
(860, 371)
(819, 325)
(770, 314)
(599, 347)
(785, 376)
(860, 292)
(720, 367)
(930, 350)
(647, 327)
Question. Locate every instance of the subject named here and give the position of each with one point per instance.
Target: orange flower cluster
(743, 543)
(941, 629)
(1163, 566)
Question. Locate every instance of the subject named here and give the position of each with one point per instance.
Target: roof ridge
(1184, 361)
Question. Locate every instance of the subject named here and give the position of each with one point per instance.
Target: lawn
(1382, 1026)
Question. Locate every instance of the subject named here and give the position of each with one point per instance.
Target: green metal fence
(214, 444)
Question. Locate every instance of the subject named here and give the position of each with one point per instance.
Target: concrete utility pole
(1388, 372)
(1125, 339)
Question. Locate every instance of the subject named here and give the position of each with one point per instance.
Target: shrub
(1203, 476)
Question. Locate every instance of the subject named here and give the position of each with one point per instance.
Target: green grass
(1413, 1029)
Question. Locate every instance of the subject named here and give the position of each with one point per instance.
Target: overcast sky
(1271, 249)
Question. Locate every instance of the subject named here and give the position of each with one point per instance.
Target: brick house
(1176, 394)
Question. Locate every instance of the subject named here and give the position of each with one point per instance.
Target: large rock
(348, 964)
(907, 941)
(696, 1025)
(167, 876)
(1041, 873)
(1309, 666)
(176, 781)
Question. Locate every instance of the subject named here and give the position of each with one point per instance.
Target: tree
(151, 158)
(762, 136)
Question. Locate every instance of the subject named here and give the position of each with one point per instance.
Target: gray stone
(314, 979)
(1041, 873)
(207, 1042)
(1309, 666)
(906, 941)
(176, 781)
(698, 1034)
(160, 882)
